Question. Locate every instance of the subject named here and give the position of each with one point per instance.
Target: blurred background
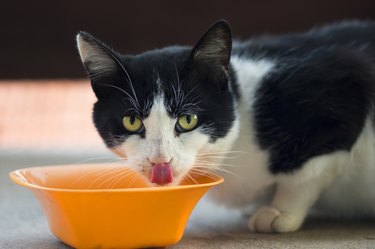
(37, 37)
(45, 99)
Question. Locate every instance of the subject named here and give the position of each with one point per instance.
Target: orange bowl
(109, 206)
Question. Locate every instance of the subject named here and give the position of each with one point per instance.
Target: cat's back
(346, 33)
(354, 35)
(312, 93)
(315, 98)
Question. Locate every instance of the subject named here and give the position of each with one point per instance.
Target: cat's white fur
(249, 176)
(339, 182)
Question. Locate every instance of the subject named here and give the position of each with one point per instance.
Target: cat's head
(168, 110)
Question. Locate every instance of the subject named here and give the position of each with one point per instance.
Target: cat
(292, 116)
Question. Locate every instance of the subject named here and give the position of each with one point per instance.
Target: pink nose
(161, 173)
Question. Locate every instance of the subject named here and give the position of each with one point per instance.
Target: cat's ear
(214, 48)
(100, 61)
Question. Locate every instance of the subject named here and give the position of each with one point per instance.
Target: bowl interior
(95, 176)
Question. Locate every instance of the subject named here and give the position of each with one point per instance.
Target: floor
(22, 223)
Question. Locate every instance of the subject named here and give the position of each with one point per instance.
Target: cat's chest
(248, 165)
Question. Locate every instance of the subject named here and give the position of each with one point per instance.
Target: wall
(37, 37)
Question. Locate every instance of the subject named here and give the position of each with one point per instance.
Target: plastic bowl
(109, 206)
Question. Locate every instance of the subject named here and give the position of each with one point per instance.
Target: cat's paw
(269, 220)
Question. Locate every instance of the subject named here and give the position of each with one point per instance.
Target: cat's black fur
(213, 100)
(315, 100)
(314, 105)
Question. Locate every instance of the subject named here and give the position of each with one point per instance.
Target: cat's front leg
(286, 212)
(294, 196)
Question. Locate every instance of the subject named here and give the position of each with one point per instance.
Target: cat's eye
(186, 122)
(132, 123)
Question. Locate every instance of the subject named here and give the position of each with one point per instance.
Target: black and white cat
(293, 115)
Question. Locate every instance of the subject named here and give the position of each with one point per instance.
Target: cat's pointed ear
(100, 61)
(97, 58)
(215, 46)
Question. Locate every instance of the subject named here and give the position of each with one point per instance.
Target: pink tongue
(161, 173)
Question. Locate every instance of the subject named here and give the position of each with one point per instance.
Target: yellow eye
(187, 122)
(132, 123)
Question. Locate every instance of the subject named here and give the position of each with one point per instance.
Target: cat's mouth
(161, 173)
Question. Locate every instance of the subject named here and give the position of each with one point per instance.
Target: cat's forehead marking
(159, 124)
(162, 93)
(158, 84)
(155, 94)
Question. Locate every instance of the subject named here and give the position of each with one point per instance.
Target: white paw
(269, 220)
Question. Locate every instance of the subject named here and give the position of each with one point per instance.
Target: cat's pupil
(188, 119)
(132, 119)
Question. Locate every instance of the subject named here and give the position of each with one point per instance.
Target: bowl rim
(17, 177)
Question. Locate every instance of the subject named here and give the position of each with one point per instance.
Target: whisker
(223, 152)
(214, 167)
(205, 173)
(191, 177)
(130, 185)
(209, 163)
(124, 70)
(90, 173)
(210, 158)
(218, 169)
(115, 177)
(121, 176)
(105, 175)
(109, 179)
(190, 92)
(96, 158)
(135, 103)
